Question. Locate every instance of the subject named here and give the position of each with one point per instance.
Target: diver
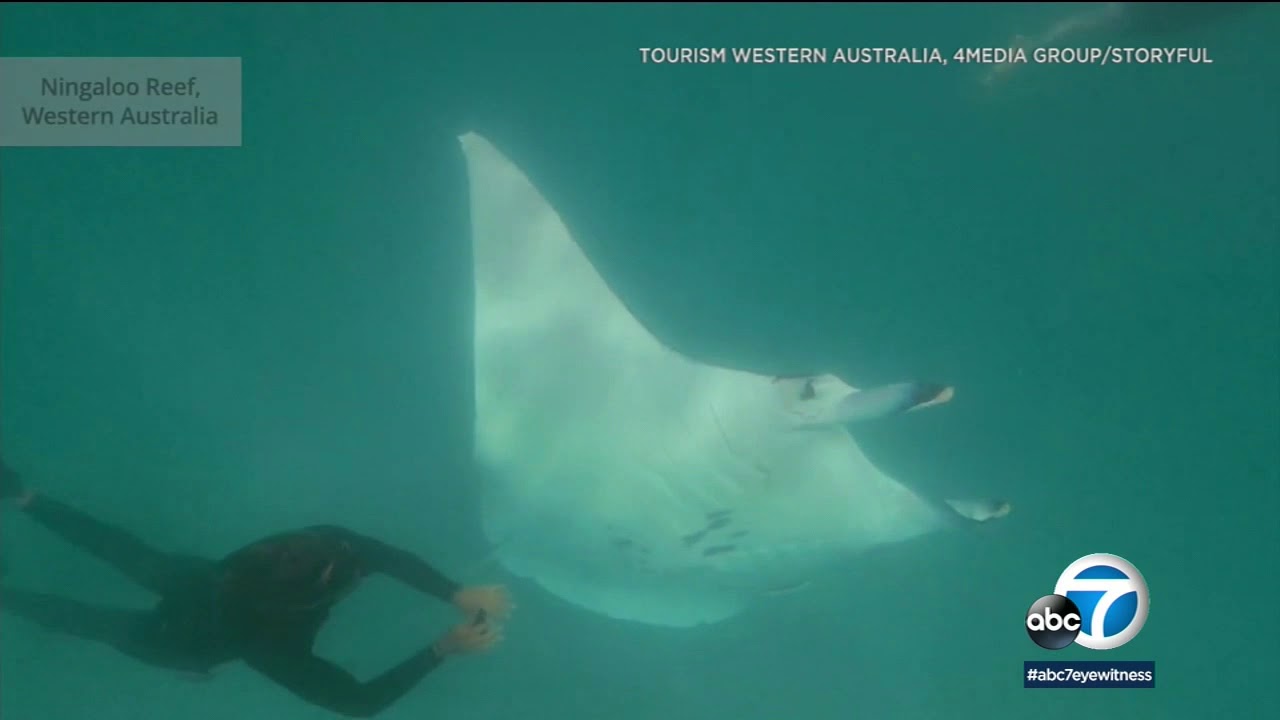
(263, 604)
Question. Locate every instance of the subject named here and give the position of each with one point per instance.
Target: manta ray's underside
(634, 481)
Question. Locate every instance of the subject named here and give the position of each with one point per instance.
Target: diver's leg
(121, 629)
(154, 570)
(139, 634)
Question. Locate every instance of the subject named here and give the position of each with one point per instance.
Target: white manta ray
(637, 482)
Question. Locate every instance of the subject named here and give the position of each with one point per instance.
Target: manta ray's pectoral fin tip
(981, 510)
(941, 394)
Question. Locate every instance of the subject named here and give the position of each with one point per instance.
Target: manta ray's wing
(573, 401)
(532, 279)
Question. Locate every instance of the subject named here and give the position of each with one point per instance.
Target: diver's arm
(322, 683)
(377, 556)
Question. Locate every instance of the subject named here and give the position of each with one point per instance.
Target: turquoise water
(209, 344)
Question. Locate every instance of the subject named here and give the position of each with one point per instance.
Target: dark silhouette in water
(1136, 22)
(1156, 20)
(263, 604)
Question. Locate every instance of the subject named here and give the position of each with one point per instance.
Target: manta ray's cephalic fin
(888, 400)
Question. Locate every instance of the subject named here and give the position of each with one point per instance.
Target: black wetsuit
(263, 604)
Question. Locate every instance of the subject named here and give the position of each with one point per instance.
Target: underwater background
(206, 345)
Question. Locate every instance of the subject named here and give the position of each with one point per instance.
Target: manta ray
(634, 481)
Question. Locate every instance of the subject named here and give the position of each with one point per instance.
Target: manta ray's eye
(807, 393)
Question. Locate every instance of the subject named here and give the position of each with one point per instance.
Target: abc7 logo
(1053, 622)
(1115, 594)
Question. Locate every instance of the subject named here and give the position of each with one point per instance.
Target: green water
(209, 344)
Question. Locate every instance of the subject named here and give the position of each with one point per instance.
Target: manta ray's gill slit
(693, 538)
(627, 545)
(719, 550)
(618, 537)
(716, 520)
(635, 555)
(787, 589)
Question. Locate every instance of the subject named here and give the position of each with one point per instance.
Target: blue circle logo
(1111, 596)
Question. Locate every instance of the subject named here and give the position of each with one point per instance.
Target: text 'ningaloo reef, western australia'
(87, 90)
(120, 102)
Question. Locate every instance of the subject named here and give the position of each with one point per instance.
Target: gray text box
(120, 102)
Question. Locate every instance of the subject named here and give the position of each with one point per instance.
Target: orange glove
(492, 600)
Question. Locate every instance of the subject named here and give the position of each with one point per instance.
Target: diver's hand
(468, 638)
(491, 600)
